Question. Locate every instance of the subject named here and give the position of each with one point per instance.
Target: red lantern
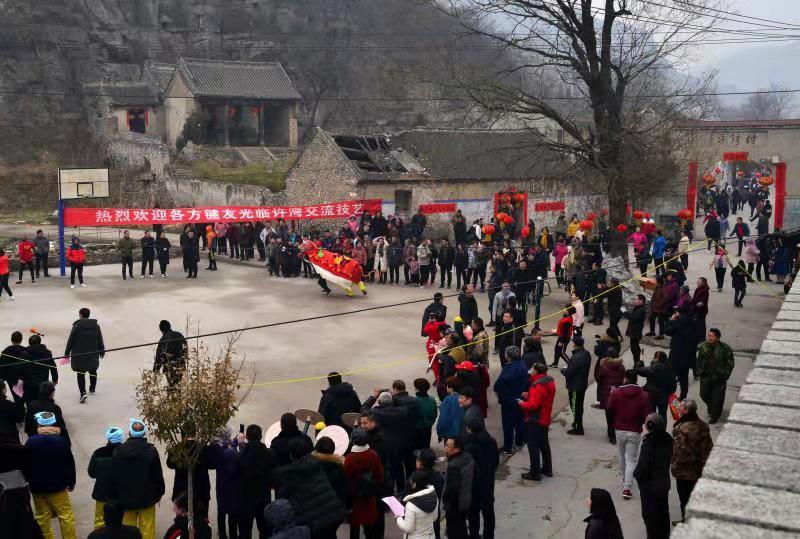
(638, 215)
(586, 224)
(591, 216)
(709, 180)
(506, 199)
(508, 219)
(647, 215)
(488, 229)
(717, 170)
(519, 197)
(765, 181)
(740, 174)
(685, 214)
(526, 231)
(622, 228)
(604, 212)
(758, 174)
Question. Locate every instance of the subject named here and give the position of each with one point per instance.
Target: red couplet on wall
(780, 194)
(691, 187)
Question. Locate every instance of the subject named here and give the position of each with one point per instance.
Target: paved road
(239, 296)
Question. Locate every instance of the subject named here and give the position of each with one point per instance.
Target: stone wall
(186, 192)
(751, 483)
(129, 151)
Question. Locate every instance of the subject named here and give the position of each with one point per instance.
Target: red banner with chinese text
(215, 214)
(549, 206)
(734, 156)
(441, 207)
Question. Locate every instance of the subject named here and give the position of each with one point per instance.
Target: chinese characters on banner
(549, 206)
(215, 214)
(442, 207)
(734, 156)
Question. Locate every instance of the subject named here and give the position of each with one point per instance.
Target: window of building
(137, 120)
(402, 201)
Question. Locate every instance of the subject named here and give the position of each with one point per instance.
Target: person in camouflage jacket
(714, 366)
(691, 445)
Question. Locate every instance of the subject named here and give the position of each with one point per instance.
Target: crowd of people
(393, 447)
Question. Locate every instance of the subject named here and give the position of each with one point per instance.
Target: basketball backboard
(76, 183)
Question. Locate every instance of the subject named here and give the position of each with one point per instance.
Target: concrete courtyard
(380, 345)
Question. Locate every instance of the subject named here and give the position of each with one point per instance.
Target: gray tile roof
(158, 76)
(130, 94)
(251, 80)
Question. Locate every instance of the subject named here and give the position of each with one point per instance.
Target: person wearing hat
(509, 386)
(137, 480)
(537, 405)
(431, 311)
(100, 471)
(170, 353)
(52, 477)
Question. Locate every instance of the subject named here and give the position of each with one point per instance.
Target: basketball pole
(62, 255)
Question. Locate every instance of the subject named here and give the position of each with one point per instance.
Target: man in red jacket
(25, 252)
(626, 410)
(538, 407)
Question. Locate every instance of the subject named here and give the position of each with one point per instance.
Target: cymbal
(305, 415)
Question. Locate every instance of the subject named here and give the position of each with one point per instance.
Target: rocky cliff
(336, 51)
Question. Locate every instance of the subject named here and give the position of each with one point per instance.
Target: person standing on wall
(85, 348)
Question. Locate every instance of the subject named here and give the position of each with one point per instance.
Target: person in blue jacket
(509, 386)
(450, 414)
(659, 248)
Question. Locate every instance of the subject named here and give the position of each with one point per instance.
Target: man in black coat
(340, 398)
(257, 464)
(45, 403)
(289, 432)
(306, 487)
(532, 352)
(431, 310)
(447, 255)
(660, 382)
(170, 353)
(201, 484)
(11, 364)
(408, 403)
(38, 367)
(85, 348)
(191, 254)
(483, 449)
(577, 380)
(652, 475)
(148, 244)
(636, 319)
(614, 296)
(467, 304)
(682, 349)
(137, 480)
(457, 494)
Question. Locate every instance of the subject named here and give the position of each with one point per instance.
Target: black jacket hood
(133, 448)
(425, 499)
(340, 390)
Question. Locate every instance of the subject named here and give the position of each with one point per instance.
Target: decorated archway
(511, 201)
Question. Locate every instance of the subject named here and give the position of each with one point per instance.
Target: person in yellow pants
(100, 471)
(137, 481)
(52, 477)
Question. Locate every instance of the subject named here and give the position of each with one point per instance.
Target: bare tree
(772, 103)
(615, 65)
(188, 415)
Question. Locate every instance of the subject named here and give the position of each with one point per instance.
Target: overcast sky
(750, 65)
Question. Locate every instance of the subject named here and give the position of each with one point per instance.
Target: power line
(399, 99)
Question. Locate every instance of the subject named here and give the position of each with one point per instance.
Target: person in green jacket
(125, 247)
(714, 366)
(426, 413)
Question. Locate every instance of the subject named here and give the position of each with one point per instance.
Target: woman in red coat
(76, 255)
(610, 373)
(364, 472)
